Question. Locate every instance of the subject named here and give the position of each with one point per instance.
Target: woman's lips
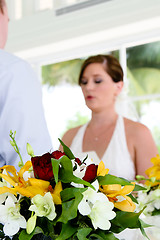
(89, 97)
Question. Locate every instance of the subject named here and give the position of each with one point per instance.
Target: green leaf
(24, 235)
(156, 212)
(66, 163)
(139, 188)
(69, 208)
(83, 232)
(70, 193)
(66, 173)
(67, 231)
(110, 179)
(103, 235)
(142, 225)
(145, 225)
(125, 220)
(55, 167)
(133, 198)
(67, 151)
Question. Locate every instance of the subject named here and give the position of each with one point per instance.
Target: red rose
(42, 165)
(91, 173)
(57, 154)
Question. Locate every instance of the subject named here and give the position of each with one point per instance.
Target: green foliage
(77, 120)
(111, 179)
(146, 55)
(57, 73)
(143, 72)
(148, 80)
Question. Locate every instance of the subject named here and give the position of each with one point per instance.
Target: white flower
(155, 195)
(79, 169)
(10, 216)
(78, 172)
(101, 213)
(97, 207)
(151, 200)
(43, 206)
(27, 175)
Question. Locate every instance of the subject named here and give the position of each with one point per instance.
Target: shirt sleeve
(21, 111)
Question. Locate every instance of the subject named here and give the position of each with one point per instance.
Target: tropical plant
(58, 73)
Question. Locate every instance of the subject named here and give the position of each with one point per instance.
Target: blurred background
(55, 36)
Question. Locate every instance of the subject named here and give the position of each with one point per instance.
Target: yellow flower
(118, 195)
(154, 171)
(102, 171)
(33, 187)
(16, 179)
(56, 193)
(28, 188)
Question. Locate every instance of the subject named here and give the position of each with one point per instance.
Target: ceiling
(43, 37)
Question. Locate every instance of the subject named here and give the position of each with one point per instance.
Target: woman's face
(3, 27)
(98, 88)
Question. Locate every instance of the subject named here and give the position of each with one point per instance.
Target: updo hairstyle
(110, 64)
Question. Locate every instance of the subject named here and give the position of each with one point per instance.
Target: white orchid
(10, 216)
(79, 169)
(155, 195)
(43, 206)
(97, 206)
(151, 200)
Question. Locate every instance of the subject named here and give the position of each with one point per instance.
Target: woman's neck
(103, 118)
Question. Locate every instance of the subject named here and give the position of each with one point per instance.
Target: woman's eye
(98, 80)
(83, 81)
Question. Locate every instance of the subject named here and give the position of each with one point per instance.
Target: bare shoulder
(141, 145)
(136, 129)
(69, 135)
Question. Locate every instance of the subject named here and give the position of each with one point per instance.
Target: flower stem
(14, 145)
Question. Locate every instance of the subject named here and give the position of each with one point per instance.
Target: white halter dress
(116, 157)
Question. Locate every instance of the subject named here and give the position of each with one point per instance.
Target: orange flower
(28, 188)
(118, 195)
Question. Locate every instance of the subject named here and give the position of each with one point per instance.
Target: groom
(21, 107)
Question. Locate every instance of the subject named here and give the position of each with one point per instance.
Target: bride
(125, 146)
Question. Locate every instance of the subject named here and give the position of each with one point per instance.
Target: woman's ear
(119, 86)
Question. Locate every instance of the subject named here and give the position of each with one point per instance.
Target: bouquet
(58, 196)
(149, 199)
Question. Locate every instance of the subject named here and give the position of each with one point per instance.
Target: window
(144, 88)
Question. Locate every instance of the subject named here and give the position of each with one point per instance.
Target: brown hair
(2, 4)
(110, 63)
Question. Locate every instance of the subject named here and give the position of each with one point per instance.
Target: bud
(30, 150)
(12, 143)
(140, 177)
(31, 223)
(20, 164)
(153, 179)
